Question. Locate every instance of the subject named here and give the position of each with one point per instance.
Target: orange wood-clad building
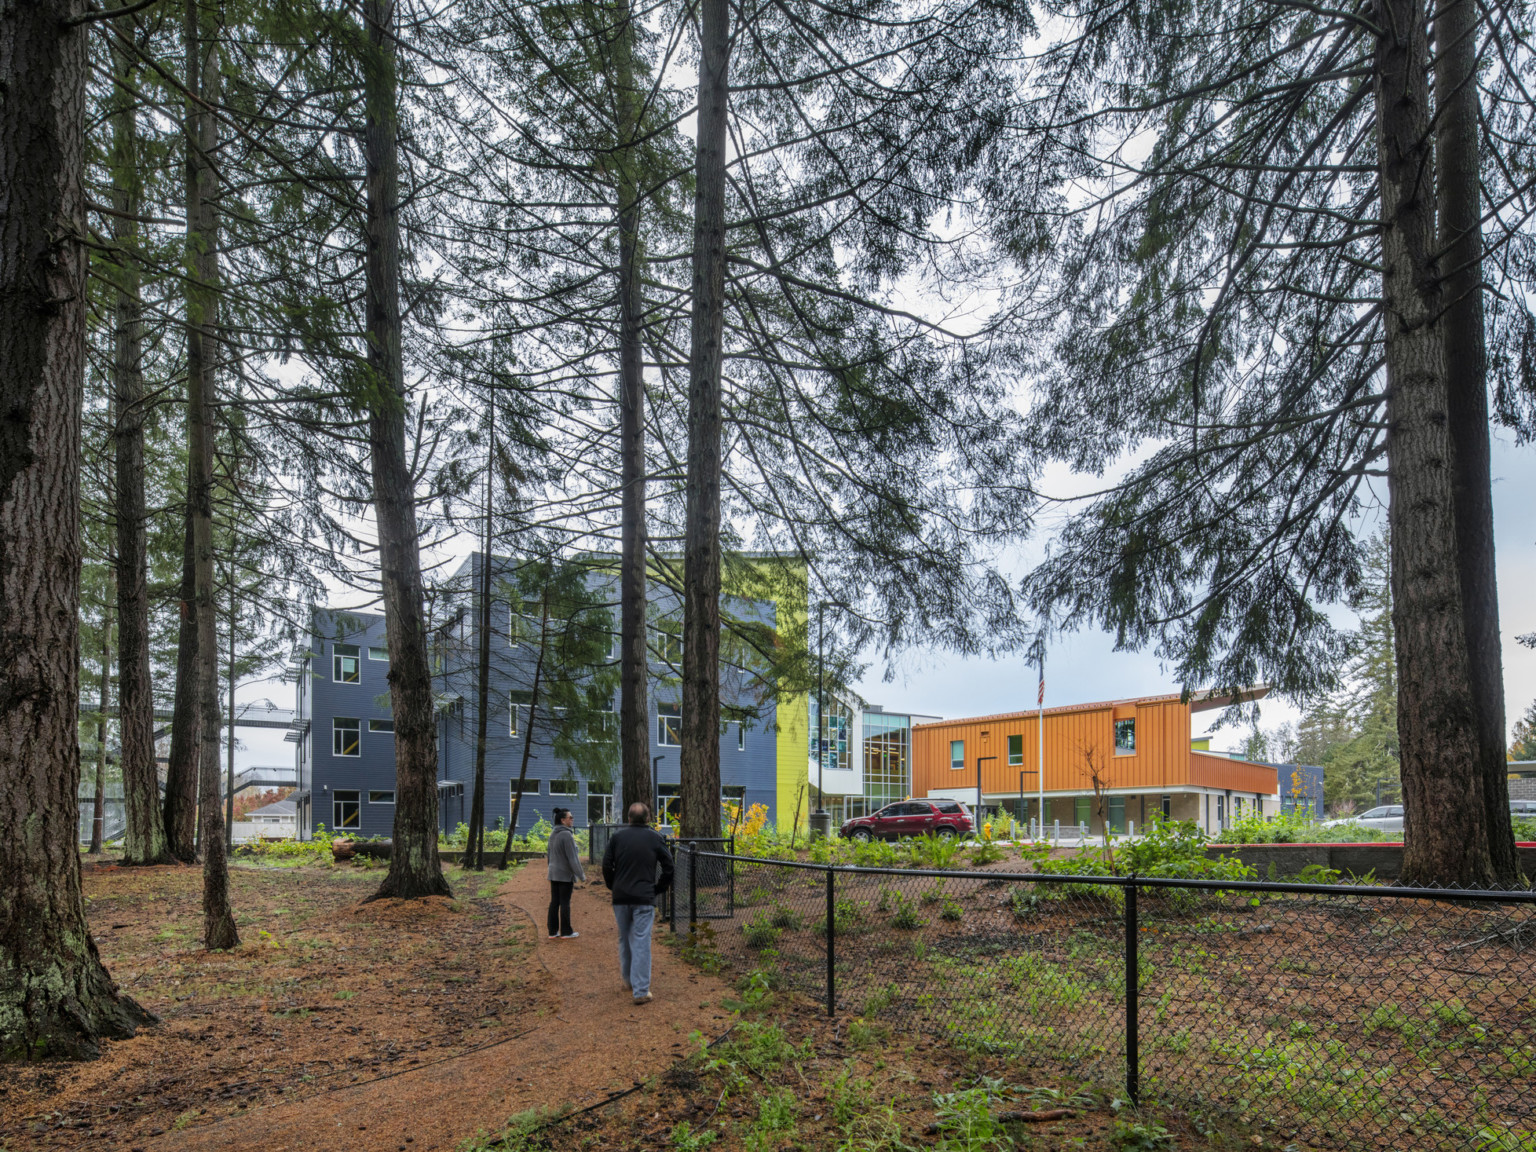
(1140, 749)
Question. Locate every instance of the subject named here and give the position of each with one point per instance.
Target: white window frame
(515, 711)
(741, 736)
(379, 653)
(1016, 759)
(340, 652)
(381, 796)
(336, 732)
(669, 645)
(357, 808)
(576, 791)
(954, 764)
(382, 726)
(663, 729)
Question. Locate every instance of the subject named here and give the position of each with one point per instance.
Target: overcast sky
(1085, 667)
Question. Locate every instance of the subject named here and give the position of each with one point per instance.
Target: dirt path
(587, 1040)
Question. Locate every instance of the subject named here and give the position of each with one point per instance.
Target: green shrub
(951, 910)
(846, 917)
(904, 915)
(875, 854)
(932, 894)
(933, 851)
(1525, 830)
(783, 916)
(986, 853)
(760, 932)
(1026, 904)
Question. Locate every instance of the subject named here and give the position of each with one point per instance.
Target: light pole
(976, 824)
(821, 819)
(1023, 772)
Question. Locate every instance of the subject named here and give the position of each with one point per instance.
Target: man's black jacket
(630, 863)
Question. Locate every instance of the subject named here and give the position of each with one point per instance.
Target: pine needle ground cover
(323, 991)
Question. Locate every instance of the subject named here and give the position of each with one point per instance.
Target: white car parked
(1386, 818)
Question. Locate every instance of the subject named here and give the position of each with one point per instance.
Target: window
(957, 753)
(565, 787)
(668, 803)
(1125, 737)
(1117, 814)
(520, 704)
(669, 725)
(346, 736)
(530, 787)
(734, 793)
(741, 737)
(382, 797)
(1167, 807)
(346, 812)
(381, 725)
(345, 667)
(950, 808)
(378, 652)
(603, 726)
(669, 643)
(1015, 751)
(1082, 813)
(1221, 811)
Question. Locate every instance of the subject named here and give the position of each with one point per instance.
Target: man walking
(630, 871)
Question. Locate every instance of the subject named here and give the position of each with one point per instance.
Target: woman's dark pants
(560, 907)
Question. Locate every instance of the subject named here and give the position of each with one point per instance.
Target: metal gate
(598, 836)
(702, 888)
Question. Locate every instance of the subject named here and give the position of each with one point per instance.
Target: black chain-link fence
(703, 884)
(1330, 1016)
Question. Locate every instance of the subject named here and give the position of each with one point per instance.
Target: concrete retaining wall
(1386, 860)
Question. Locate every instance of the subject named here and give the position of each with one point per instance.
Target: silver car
(1385, 818)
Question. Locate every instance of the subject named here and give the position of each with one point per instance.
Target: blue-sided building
(345, 737)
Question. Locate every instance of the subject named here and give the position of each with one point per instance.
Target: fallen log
(373, 849)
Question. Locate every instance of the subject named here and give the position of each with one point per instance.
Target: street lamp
(1023, 811)
(976, 824)
(821, 819)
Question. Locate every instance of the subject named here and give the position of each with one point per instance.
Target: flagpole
(1040, 763)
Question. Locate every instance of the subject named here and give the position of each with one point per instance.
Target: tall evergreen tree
(56, 998)
(1262, 299)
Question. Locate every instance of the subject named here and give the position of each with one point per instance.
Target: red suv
(911, 818)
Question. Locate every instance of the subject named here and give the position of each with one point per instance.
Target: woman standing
(564, 870)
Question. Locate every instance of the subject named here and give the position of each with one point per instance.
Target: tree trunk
(700, 791)
(201, 31)
(98, 809)
(474, 850)
(634, 705)
(181, 769)
(144, 840)
(1445, 830)
(56, 999)
(1459, 194)
(533, 706)
(414, 868)
(229, 734)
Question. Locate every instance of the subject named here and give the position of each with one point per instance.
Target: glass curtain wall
(887, 763)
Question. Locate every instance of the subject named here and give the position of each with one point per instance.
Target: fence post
(1132, 999)
(831, 941)
(693, 885)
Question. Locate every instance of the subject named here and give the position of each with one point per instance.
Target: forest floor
(456, 1024)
